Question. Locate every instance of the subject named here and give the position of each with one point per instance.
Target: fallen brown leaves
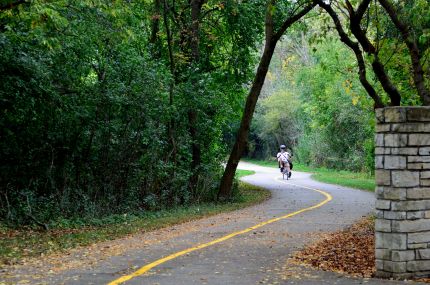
(350, 251)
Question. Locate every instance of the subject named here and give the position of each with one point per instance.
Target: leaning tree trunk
(242, 136)
(272, 39)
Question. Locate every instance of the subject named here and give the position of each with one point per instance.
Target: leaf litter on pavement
(350, 251)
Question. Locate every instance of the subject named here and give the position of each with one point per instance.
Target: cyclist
(284, 159)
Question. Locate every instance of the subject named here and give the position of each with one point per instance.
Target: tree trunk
(171, 124)
(386, 83)
(155, 22)
(195, 150)
(242, 135)
(196, 6)
(272, 39)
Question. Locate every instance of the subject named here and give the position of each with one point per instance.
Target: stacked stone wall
(402, 161)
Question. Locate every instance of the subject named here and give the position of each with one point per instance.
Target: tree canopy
(122, 106)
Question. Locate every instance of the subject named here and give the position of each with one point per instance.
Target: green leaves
(93, 119)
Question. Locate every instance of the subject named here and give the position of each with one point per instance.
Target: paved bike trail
(258, 256)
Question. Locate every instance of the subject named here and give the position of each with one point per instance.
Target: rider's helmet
(282, 146)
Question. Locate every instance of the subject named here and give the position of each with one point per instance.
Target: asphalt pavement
(223, 249)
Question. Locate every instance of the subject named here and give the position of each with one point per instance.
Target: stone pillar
(402, 161)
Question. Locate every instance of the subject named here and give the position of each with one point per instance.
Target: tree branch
(291, 20)
(414, 52)
(358, 54)
(362, 8)
(207, 12)
(377, 66)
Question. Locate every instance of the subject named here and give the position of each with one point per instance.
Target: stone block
(390, 240)
(383, 253)
(411, 128)
(395, 114)
(395, 140)
(405, 178)
(379, 191)
(419, 114)
(419, 166)
(425, 182)
(427, 214)
(402, 276)
(424, 151)
(379, 140)
(394, 162)
(382, 128)
(423, 254)
(383, 204)
(391, 215)
(402, 255)
(418, 265)
(417, 245)
(418, 205)
(422, 274)
(404, 150)
(419, 139)
(396, 267)
(379, 150)
(407, 226)
(379, 264)
(425, 174)
(419, 238)
(379, 114)
(379, 161)
(415, 215)
(383, 177)
(418, 159)
(418, 193)
(383, 274)
(379, 214)
(390, 193)
(382, 225)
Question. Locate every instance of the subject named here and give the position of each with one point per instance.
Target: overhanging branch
(357, 51)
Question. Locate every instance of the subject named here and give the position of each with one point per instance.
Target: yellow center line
(149, 266)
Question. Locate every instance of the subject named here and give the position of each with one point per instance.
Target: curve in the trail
(151, 265)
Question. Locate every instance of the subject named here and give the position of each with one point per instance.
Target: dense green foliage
(94, 120)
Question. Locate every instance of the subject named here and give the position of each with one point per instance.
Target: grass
(351, 179)
(16, 244)
(241, 173)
